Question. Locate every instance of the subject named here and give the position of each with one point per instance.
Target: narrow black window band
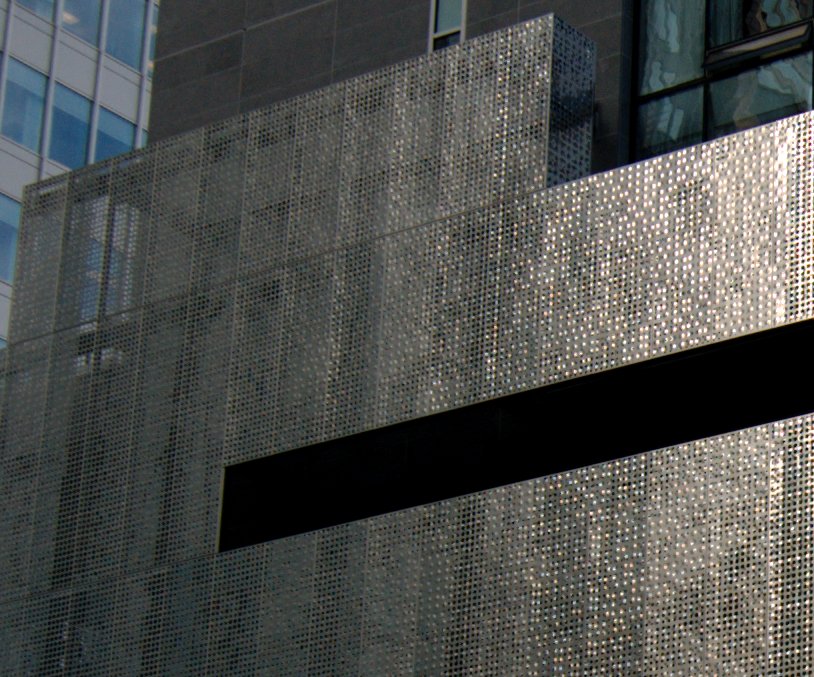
(698, 393)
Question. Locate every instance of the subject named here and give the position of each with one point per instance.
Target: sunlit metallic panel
(339, 262)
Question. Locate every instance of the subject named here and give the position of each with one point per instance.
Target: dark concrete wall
(215, 59)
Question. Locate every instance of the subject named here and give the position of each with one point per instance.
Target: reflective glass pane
(70, 128)
(671, 122)
(114, 136)
(45, 8)
(125, 31)
(9, 220)
(23, 105)
(447, 15)
(81, 17)
(774, 91)
(672, 43)
(732, 20)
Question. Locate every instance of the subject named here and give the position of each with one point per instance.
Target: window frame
(717, 67)
(13, 261)
(37, 149)
(146, 19)
(35, 12)
(48, 152)
(63, 25)
(98, 129)
(434, 35)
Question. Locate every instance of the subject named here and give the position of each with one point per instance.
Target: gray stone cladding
(215, 59)
(380, 250)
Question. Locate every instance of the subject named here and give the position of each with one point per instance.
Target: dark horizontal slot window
(698, 393)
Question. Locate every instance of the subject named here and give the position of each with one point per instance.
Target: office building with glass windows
(75, 81)
(366, 368)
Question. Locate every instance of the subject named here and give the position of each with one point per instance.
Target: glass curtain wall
(760, 95)
(44, 8)
(672, 54)
(82, 18)
(712, 67)
(733, 20)
(26, 89)
(125, 31)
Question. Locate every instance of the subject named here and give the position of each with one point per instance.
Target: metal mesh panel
(682, 560)
(26, 381)
(379, 250)
(41, 241)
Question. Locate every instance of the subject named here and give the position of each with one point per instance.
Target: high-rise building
(359, 370)
(75, 80)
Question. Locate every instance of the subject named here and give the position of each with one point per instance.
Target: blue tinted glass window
(23, 106)
(9, 220)
(125, 31)
(114, 136)
(81, 17)
(45, 8)
(672, 44)
(447, 15)
(70, 128)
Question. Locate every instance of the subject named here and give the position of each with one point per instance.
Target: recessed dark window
(446, 41)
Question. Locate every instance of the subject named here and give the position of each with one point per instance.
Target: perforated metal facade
(372, 252)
